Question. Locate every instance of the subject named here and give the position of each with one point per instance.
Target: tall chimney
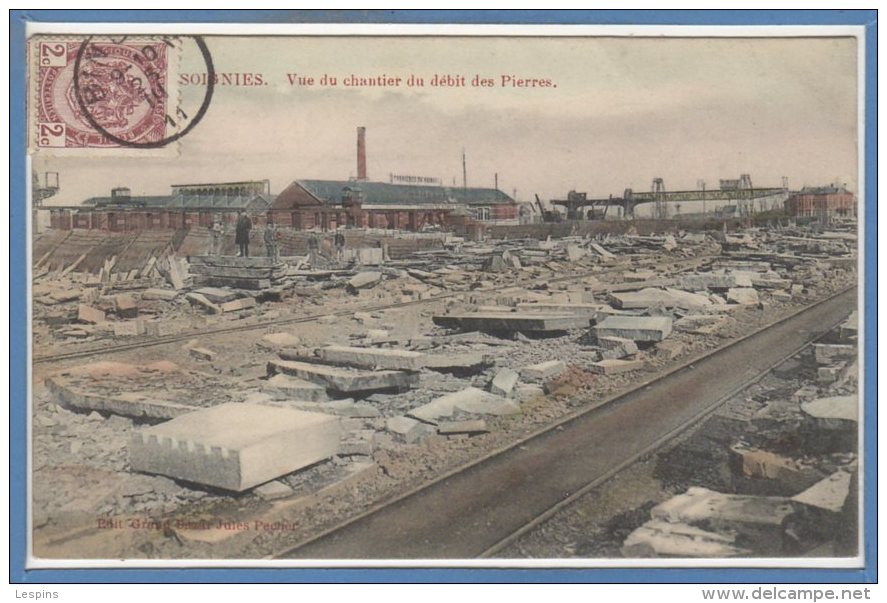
(361, 153)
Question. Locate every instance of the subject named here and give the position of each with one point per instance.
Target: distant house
(826, 202)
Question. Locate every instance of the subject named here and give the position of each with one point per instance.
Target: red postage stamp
(99, 94)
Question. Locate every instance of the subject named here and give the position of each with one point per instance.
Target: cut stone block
(462, 427)
(614, 366)
(407, 429)
(344, 380)
(584, 310)
(130, 328)
(636, 328)
(372, 358)
(648, 297)
(763, 464)
(235, 446)
(199, 300)
(236, 305)
(504, 382)
(470, 400)
(830, 494)
(364, 280)
(543, 370)
(202, 353)
(217, 295)
(510, 322)
(574, 253)
(662, 538)
(89, 314)
(126, 306)
(282, 386)
(836, 411)
(360, 442)
(745, 296)
(125, 404)
(159, 294)
(617, 347)
(722, 510)
(698, 282)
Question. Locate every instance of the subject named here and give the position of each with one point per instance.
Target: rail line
(123, 347)
(477, 510)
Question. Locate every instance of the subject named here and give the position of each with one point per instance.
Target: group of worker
(271, 238)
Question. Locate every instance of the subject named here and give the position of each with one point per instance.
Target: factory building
(303, 205)
(824, 202)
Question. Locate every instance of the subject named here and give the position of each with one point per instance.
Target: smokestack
(497, 180)
(361, 153)
(464, 171)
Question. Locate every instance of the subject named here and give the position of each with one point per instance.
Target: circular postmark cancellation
(116, 92)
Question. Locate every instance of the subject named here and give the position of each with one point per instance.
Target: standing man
(241, 234)
(270, 237)
(340, 246)
(313, 244)
(215, 236)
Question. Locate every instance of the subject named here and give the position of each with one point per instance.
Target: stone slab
(364, 280)
(470, 400)
(510, 322)
(649, 297)
(636, 328)
(159, 294)
(543, 370)
(462, 427)
(703, 505)
(504, 382)
(830, 493)
(745, 296)
(614, 366)
(372, 358)
(838, 409)
(235, 446)
(244, 303)
(125, 404)
(407, 429)
(343, 380)
(217, 295)
(658, 538)
(89, 314)
(282, 386)
(126, 306)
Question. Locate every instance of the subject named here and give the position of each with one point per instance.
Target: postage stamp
(95, 95)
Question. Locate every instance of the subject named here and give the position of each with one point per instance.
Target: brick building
(825, 202)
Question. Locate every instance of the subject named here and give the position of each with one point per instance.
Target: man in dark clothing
(241, 234)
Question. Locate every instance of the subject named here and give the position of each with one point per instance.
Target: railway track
(481, 508)
(187, 335)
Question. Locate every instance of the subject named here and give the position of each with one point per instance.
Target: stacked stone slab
(636, 328)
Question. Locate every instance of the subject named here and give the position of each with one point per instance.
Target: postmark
(112, 94)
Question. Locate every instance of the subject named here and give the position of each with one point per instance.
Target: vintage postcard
(459, 296)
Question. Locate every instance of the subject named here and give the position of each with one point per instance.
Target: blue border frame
(18, 309)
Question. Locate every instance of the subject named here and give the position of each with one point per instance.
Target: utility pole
(464, 171)
(701, 185)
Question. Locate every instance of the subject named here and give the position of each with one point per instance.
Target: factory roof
(824, 190)
(383, 193)
(251, 202)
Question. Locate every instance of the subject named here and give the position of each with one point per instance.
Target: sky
(624, 111)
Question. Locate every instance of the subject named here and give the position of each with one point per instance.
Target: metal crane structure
(740, 190)
(49, 187)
